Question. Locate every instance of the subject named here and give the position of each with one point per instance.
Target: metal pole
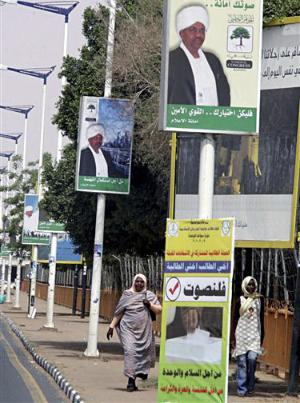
(25, 141)
(91, 350)
(269, 274)
(18, 281)
(275, 283)
(42, 139)
(63, 83)
(32, 308)
(83, 290)
(261, 270)
(1, 203)
(2, 276)
(53, 239)
(51, 285)
(9, 278)
(75, 291)
(7, 191)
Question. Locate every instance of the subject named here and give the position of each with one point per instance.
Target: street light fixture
(64, 8)
(12, 136)
(24, 110)
(42, 73)
(6, 154)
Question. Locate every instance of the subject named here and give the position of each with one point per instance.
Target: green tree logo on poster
(241, 33)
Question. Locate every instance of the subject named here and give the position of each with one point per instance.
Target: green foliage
(133, 223)
(276, 9)
(20, 183)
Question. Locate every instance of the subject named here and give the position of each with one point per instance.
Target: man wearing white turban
(94, 160)
(196, 77)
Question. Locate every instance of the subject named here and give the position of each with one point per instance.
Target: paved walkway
(100, 380)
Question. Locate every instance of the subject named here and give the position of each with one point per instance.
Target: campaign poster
(219, 40)
(104, 145)
(256, 177)
(5, 250)
(196, 311)
(46, 224)
(65, 253)
(30, 234)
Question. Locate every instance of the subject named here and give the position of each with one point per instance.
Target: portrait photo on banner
(104, 145)
(211, 66)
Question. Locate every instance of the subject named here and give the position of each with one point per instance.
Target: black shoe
(131, 386)
(142, 376)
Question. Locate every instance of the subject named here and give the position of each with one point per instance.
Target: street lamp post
(12, 136)
(20, 255)
(3, 171)
(63, 8)
(91, 350)
(43, 74)
(23, 109)
(7, 155)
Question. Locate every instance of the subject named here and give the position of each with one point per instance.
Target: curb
(52, 370)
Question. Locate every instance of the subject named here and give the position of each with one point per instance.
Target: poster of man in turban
(104, 145)
(211, 66)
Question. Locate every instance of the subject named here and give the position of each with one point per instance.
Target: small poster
(30, 234)
(104, 145)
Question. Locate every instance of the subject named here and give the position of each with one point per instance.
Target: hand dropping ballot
(195, 347)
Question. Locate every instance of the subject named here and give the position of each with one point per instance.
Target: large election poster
(210, 80)
(196, 311)
(256, 177)
(30, 234)
(104, 145)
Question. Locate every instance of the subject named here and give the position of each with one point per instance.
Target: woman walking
(132, 320)
(249, 335)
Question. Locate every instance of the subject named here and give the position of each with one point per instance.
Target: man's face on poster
(193, 37)
(29, 213)
(96, 142)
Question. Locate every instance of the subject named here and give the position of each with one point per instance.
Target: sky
(34, 38)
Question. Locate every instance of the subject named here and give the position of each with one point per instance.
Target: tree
(21, 183)
(276, 9)
(241, 33)
(134, 223)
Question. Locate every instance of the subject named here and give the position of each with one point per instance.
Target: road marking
(30, 382)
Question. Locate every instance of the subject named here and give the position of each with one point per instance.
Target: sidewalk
(101, 380)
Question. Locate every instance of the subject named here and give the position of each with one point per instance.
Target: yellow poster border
(283, 21)
(248, 243)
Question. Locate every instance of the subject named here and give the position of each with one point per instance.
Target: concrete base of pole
(16, 308)
(49, 327)
(91, 354)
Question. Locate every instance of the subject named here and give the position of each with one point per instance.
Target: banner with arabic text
(196, 311)
(211, 75)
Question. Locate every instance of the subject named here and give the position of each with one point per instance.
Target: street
(20, 379)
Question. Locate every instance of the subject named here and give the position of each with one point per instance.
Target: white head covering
(28, 208)
(143, 278)
(187, 16)
(245, 305)
(94, 129)
(245, 283)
